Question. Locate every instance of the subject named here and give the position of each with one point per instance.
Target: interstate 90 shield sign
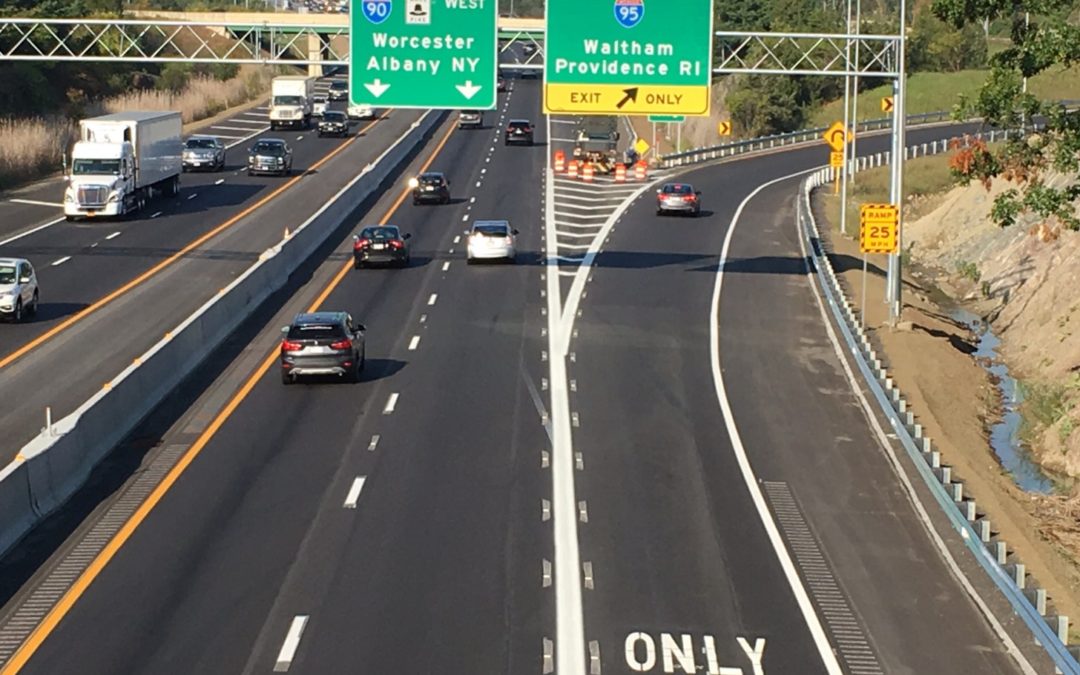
(376, 11)
(629, 12)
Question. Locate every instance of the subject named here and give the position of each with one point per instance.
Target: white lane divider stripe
(35, 202)
(354, 492)
(112, 236)
(31, 231)
(155, 215)
(61, 261)
(374, 443)
(391, 403)
(219, 181)
(291, 644)
(446, 266)
(432, 299)
(457, 238)
(192, 196)
(414, 342)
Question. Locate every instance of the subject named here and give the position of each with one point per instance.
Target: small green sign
(667, 118)
(628, 57)
(423, 53)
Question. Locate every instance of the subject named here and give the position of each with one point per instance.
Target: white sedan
(491, 240)
(360, 112)
(18, 289)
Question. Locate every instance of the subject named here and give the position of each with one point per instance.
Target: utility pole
(847, 125)
(894, 282)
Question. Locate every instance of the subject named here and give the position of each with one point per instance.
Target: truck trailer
(121, 161)
(292, 98)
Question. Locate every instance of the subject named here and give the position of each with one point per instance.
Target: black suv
(519, 131)
(430, 187)
(333, 123)
(270, 155)
(339, 90)
(322, 343)
(381, 244)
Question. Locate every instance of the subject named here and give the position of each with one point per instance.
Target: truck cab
(596, 141)
(292, 100)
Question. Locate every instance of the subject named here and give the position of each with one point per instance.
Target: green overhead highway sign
(667, 118)
(628, 57)
(423, 53)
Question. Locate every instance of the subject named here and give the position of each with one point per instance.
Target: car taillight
(664, 196)
(394, 243)
(359, 244)
(341, 344)
(288, 346)
(690, 197)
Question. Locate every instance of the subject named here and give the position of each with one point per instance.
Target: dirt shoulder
(955, 401)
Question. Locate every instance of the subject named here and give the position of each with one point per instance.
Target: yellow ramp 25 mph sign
(621, 57)
(878, 225)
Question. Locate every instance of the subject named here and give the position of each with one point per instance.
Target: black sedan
(381, 244)
(339, 90)
(334, 123)
(322, 343)
(519, 131)
(430, 187)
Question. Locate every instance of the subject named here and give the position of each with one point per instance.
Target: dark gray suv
(322, 343)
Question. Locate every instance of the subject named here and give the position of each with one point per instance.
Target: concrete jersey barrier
(51, 467)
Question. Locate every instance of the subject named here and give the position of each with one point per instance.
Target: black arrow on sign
(631, 95)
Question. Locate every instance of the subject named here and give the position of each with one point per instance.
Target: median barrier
(56, 463)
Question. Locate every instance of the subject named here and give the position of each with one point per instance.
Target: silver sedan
(491, 240)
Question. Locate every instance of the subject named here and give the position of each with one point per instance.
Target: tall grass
(31, 148)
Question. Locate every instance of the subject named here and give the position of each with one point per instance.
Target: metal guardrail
(1051, 632)
(790, 138)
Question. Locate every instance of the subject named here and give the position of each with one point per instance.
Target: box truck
(291, 100)
(121, 161)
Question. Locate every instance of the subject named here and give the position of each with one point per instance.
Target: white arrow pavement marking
(468, 90)
(377, 88)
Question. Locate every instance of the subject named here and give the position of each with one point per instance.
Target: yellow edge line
(65, 604)
(156, 269)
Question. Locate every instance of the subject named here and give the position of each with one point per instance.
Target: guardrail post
(985, 530)
(1019, 575)
(1037, 597)
(1001, 552)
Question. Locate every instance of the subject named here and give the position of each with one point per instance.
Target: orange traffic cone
(560, 161)
(571, 169)
(620, 173)
(640, 170)
(587, 173)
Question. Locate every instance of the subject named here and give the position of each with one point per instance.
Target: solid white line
(432, 299)
(806, 607)
(446, 266)
(114, 235)
(61, 261)
(909, 489)
(31, 231)
(354, 492)
(229, 138)
(414, 342)
(391, 403)
(253, 134)
(292, 642)
(569, 611)
(239, 121)
(34, 202)
(231, 128)
(255, 114)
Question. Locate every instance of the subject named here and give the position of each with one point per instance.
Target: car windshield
(379, 233)
(288, 100)
(678, 189)
(95, 167)
(518, 124)
(316, 331)
(431, 180)
(470, 112)
(334, 117)
(200, 143)
(338, 86)
(268, 149)
(7, 274)
(491, 230)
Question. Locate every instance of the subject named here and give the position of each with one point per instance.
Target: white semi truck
(121, 161)
(291, 100)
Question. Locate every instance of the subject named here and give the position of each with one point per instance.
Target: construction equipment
(596, 139)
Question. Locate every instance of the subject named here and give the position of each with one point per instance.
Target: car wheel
(415, 202)
(286, 378)
(17, 315)
(32, 310)
(250, 172)
(357, 264)
(355, 374)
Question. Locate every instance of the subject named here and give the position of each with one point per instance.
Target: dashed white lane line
(114, 235)
(35, 202)
(230, 128)
(219, 181)
(391, 403)
(432, 299)
(155, 215)
(374, 443)
(446, 266)
(299, 138)
(457, 238)
(414, 343)
(472, 200)
(291, 644)
(354, 492)
(192, 196)
(477, 183)
(61, 261)
(463, 219)
(423, 318)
